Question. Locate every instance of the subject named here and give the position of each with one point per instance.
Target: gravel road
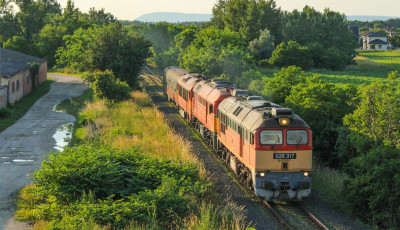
(23, 145)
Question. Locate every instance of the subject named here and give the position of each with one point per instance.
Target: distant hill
(172, 17)
(365, 18)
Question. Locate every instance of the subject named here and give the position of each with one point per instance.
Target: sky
(132, 9)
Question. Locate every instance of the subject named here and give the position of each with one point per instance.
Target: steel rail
(279, 216)
(313, 218)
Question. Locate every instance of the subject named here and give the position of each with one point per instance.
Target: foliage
(262, 47)
(378, 113)
(106, 86)
(4, 112)
(395, 40)
(331, 103)
(373, 190)
(291, 53)
(215, 52)
(280, 87)
(329, 29)
(113, 187)
(106, 47)
(20, 44)
(248, 17)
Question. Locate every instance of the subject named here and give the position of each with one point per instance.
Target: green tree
(100, 17)
(395, 40)
(291, 53)
(8, 22)
(322, 105)
(280, 86)
(106, 47)
(20, 44)
(329, 29)
(373, 190)
(48, 40)
(215, 52)
(248, 17)
(262, 47)
(378, 113)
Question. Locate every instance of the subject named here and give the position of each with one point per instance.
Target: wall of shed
(18, 92)
(42, 77)
(3, 96)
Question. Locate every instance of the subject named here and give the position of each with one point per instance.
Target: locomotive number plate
(284, 155)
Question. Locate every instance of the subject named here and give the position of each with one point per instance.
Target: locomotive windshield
(271, 137)
(297, 137)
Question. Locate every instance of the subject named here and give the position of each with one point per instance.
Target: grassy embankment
(17, 110)
(128, 171)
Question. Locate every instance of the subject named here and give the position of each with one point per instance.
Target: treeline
(247, 33)
(392, 24)
(66, 37)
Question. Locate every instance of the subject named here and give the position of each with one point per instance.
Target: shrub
(5, 112)
(111, 187)
(105, 171)
(106, 86)
(373, 190)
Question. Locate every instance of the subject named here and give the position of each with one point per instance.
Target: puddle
(21, 161)
(58, 108)
(63, 136)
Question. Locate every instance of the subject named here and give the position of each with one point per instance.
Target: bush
(5, 112)
(373, 190)
(112, 187)
(106, 86)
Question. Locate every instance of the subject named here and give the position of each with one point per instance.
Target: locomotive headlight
(305, 173)
(284, 121)
(262, 174)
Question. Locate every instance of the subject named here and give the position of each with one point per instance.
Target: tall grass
(135, 123)
(329, 184)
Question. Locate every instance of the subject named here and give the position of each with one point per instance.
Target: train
(268, 146)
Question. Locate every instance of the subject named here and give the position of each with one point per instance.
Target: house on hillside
(19, 74)
(374, 41)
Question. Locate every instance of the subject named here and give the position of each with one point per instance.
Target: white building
(375, 41)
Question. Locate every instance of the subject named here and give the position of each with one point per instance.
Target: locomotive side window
(297, 137)
(271, 137)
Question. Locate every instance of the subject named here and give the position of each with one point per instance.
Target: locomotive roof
(255, 114)
(175, 73)
(190, 80)
(214, 89)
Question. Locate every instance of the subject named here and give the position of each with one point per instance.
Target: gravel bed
(331, 217)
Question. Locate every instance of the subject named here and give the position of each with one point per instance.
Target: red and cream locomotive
(268, 146)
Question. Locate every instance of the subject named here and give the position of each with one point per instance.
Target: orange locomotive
(268, 146)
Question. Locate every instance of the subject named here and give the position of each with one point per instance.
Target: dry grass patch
(135, 122)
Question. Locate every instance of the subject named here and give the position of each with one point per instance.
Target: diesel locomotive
(268, 146)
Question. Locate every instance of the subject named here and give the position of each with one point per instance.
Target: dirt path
(23, 145)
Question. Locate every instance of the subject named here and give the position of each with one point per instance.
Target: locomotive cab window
(297, 137)
(271, 137)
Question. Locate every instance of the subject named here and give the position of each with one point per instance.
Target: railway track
(291, 216)
(294, 216)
